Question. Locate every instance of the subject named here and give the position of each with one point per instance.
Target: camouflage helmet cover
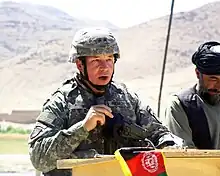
(93, 41)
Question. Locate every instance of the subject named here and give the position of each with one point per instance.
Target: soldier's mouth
(103, 77)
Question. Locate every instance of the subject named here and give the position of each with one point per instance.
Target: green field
(13, 144)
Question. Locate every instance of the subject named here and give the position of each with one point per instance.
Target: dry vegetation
(34, 48)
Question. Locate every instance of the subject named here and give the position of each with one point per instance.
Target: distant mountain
(143, 45)
(35, 41)
(26, 27)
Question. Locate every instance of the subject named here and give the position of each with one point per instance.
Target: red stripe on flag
(149, 163)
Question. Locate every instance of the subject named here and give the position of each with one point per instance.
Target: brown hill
(34, 53)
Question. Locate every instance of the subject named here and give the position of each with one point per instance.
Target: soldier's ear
(79, 65)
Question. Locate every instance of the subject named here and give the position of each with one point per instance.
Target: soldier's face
(100, 68)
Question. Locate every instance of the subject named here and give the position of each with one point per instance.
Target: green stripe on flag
(163, 174)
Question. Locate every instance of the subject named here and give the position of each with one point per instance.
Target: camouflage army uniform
(59, 133)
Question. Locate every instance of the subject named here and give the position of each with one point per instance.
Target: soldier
(70, 123)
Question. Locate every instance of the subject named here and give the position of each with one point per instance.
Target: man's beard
(204, 93)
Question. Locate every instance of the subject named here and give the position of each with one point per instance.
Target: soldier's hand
(96, 115)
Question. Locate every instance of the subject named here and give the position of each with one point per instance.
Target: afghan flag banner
(139, 161)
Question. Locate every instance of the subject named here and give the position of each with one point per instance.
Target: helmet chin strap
(86, 77)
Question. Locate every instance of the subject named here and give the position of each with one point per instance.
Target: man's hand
(96, 115)
(175, 147)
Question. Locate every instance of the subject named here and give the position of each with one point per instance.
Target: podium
(182, 162)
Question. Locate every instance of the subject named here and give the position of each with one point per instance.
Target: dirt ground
(14, 136)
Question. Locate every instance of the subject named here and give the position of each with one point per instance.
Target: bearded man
(194, 114)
